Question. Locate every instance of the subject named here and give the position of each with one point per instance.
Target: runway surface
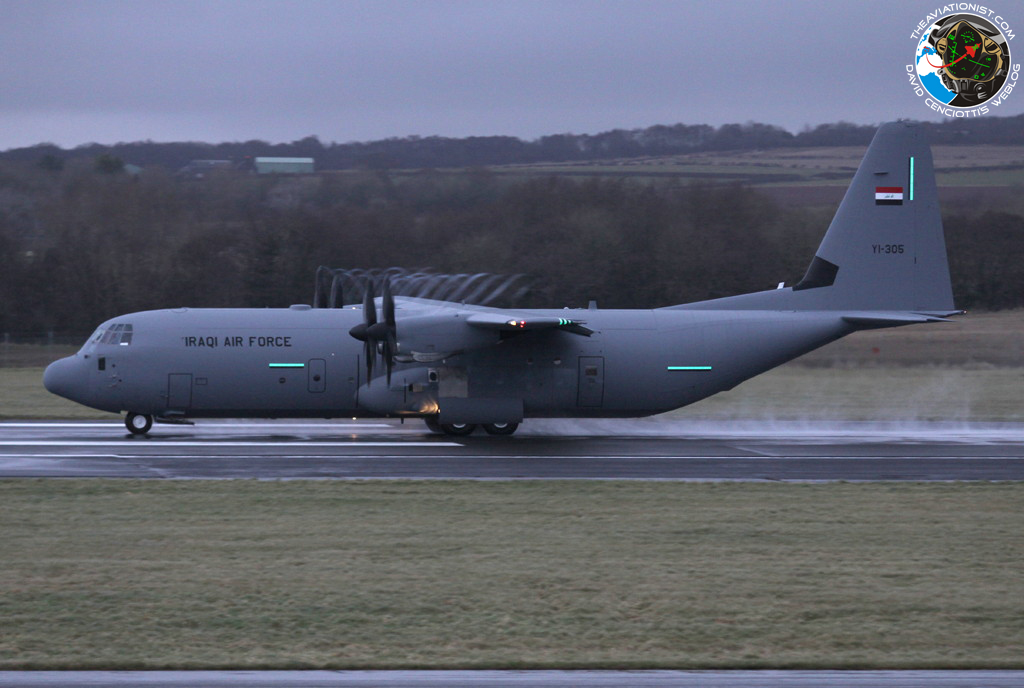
(606, 450)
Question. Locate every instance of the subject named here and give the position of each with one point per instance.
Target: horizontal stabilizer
(886, 319)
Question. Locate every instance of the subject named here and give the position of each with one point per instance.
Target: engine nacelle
(411, 393)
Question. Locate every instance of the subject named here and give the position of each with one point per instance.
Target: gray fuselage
(301, 362)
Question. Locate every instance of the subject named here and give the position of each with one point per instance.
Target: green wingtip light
(911, 178)
(675, 368)
(286, 365)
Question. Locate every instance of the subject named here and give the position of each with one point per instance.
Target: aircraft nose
(62, 377)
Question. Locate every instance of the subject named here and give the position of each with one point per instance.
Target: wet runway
(631, 449)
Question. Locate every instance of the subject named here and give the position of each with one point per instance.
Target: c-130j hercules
(882, 263)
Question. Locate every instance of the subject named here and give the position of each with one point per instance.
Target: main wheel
(433, 425)
(500, 428)
(138, 423)
(458, 429)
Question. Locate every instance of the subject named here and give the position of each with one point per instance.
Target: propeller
(361, 331)
(376, 334)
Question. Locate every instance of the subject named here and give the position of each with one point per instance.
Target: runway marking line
(90, 424)
(214, 443)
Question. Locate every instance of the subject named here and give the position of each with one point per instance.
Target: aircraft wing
(426, 330)
(509, 321)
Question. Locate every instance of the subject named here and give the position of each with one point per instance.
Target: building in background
(283, 165)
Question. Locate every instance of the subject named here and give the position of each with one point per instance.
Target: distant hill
(415, 152)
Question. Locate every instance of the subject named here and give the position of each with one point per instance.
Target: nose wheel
(138, 423)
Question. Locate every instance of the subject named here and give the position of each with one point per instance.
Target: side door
(179, 391)
(591, 381)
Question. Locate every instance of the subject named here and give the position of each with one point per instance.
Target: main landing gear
(138, 423)
(463, 429)
(500, 428)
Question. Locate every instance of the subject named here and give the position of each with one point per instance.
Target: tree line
(79, 246)
(415, 152)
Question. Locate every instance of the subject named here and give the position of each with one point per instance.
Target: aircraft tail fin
(884, 250)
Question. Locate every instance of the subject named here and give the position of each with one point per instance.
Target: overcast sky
(78, 71)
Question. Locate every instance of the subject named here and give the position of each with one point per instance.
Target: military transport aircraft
(882, 263)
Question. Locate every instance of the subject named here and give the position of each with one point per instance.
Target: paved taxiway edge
(514, 679)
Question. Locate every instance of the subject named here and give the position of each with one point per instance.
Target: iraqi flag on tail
(888, 195)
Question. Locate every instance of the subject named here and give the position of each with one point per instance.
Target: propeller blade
(369, 321)
(369, 353)
(386, 324)
(391, 336)
(388, 305)
(364, 331)
(389, 357)
(369, 311)
(361, 331)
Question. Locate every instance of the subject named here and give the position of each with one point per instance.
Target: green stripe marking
(911, 178)
(287, 365)
(689, 368)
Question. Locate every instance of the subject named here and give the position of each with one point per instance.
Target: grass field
(124, 574)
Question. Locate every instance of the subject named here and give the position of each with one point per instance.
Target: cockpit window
(119, 334)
